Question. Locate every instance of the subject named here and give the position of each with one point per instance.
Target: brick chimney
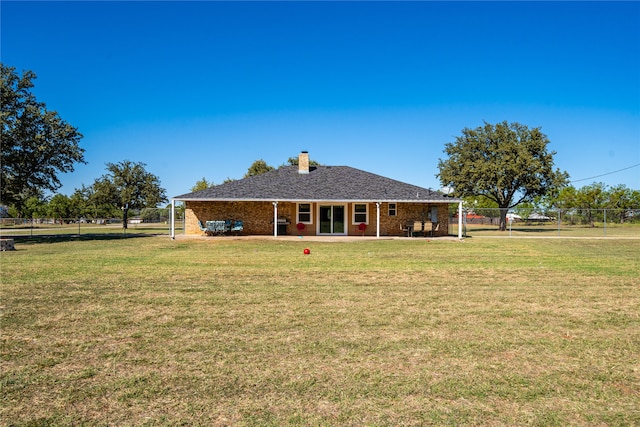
(303, 163)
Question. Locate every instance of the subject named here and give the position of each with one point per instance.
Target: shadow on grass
(524, 230)
(534, 230)
(53, 238)
(520, 230)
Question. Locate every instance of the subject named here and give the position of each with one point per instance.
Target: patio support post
(275, 219)
(172, 220)
(460, 220)
(378, 219)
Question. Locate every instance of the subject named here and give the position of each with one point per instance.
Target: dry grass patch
(222, 332)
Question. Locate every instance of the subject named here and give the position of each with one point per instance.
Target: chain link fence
(16, 227)
(480, 222)
(560, 222)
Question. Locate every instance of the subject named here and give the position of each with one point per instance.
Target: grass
(149, 331)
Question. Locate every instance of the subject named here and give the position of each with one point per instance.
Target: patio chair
(300, 226)
(362, 227)
(406, 229)
(237, 227)
(426, 228)
(204, 229)
(220, 227)
(417, 228)
(216, 227)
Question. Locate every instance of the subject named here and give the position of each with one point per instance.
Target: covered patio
(319, 201)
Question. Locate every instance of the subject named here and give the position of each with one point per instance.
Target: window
(304, 213)
(392, 209)
(360, 213)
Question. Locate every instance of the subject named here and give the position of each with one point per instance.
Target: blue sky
(203, 89)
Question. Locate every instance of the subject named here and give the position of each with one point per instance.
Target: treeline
(80, 206)
(588, 199)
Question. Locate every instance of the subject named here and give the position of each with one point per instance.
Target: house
(535, 216)
(319, 200)
(513, 217)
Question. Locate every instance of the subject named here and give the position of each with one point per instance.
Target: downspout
(275, 219)
(460, 220)
(172, 220)
(378, 219)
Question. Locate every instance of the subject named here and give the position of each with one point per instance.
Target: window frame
(392, 211)
(299, 212)
(354, 214)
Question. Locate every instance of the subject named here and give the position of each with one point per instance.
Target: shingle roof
(322, 183)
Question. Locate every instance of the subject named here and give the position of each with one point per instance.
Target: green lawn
(219, 331)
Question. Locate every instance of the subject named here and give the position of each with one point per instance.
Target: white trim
(378, 219)
(275, 219)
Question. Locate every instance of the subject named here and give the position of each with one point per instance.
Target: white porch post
(275, 219)
(460, 220)
(378, 219)
(172, 220)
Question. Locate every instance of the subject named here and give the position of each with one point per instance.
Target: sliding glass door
(332, 219)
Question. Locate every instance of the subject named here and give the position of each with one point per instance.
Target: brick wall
(258, 217)
(408, 213)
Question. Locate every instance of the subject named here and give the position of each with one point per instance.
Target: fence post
(462, 221)
(605, 222)
(172, 220)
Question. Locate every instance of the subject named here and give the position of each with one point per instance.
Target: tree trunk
(125, 214)
(503, 220)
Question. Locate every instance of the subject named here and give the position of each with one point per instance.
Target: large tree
(507, 163)
(37, 145)
(624, 199)
(34, 207)
(294, 161)
(202, 184)
(59, 208)
(128, 186)
(591, 198)
(258, 167)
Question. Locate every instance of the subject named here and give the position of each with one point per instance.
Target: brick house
(319, 200)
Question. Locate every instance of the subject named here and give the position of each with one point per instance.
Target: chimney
(303, 163)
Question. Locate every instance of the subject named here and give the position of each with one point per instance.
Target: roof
(322, 183)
